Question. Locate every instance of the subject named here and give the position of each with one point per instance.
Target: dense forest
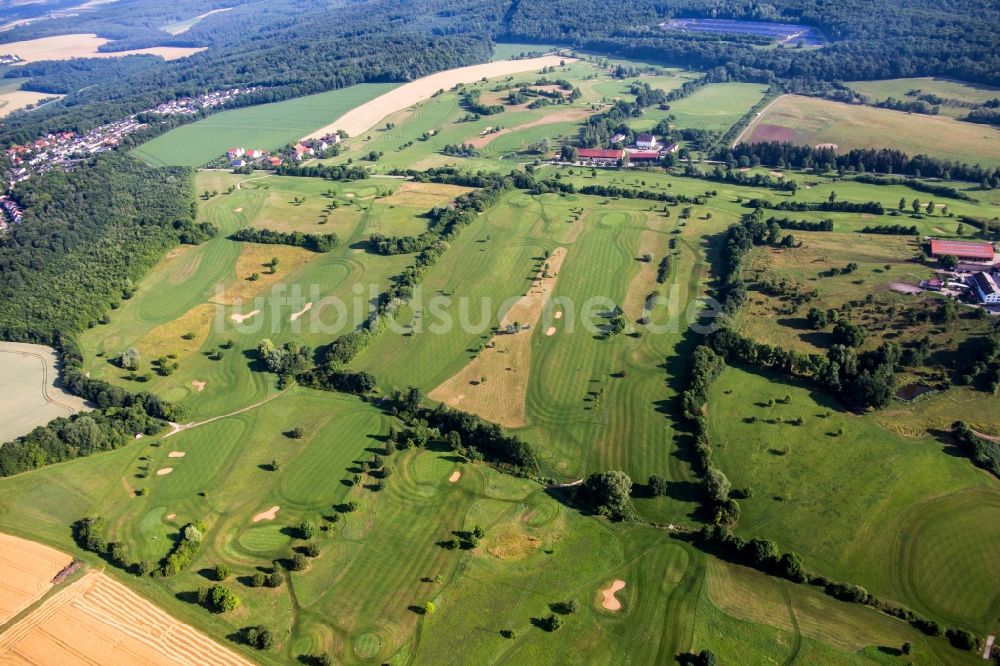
(87, 237)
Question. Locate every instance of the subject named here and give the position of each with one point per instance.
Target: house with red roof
(600, 156)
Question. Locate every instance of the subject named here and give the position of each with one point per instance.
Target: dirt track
(361, 119)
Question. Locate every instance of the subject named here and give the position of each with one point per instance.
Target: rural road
(750, 124)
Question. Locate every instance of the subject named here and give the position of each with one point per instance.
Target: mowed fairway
(811, 121)
(264, 127)
(28, 377)
(899, 517)
(185, 306)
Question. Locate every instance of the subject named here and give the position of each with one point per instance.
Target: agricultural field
(812, 121)
(67, 47)
(958, 95)
(265, 127)
(28, 382)
(717, 106)
(508, 50)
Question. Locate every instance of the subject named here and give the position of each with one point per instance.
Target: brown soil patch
(765, 132)
(506, 364)
(564, 116)
(359, 120)
(455, 476)
(198, 386)
(176, 454)
(97, 620)
(424, 195)
(904, 288)
(168, 338)
(67, 47)
(510, 543)
(644, 281)
(610, 601)
(164, 471)
(26, 572)
(266, 515)
(252, 261)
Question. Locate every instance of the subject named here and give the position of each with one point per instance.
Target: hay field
(366, 116)
(26, 572)
(27, 381)
(811, 121)
(18, 99)
(99, 620)
(264, 127)
(716, 106)
(949, 89)
(67, 47)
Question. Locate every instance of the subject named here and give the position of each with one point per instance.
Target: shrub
(222, 599)
(259, 637)
(221, 572)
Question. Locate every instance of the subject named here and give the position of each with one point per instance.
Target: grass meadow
(949, 89)
(812, 121)
(265, 127)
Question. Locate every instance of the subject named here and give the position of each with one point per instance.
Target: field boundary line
(760, 114)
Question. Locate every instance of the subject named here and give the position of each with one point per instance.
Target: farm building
(672, 147)
(968, 250)
(643, 155)
(600, 156)
(645, 141)
(986, 288)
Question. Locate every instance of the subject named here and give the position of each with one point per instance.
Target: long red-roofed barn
(600, 155)
(967, 250)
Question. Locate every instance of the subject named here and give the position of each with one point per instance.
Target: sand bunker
(26, 572)
(164, 471)
(455, 476)
(266, 515)
(505, 363)
(361, 119)
(240, 318)
(559, 315)
(199, 386)
(611, 602)
(176, 454)
(237, 210)
(171, 516)
(307, 308)
(551, 331)
(97, 620)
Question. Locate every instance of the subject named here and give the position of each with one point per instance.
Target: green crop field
(511, 50)
(812, 121)
(263, 127)
(955, 93)
(717, 106)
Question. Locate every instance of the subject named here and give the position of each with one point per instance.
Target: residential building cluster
(192, 105)
(303, 150)
(63, 149)
(646, 149)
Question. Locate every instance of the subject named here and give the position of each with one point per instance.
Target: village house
(985, 286)
(643, 156)
(672, 147)
(302, 150)
(645, 141)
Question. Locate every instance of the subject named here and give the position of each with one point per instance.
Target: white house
(645, 141)
(986, 288)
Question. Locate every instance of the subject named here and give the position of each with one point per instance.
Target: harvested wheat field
(362, 118)
(424, 195)
(19, 99)
(26, 572)
(505, 362)
(97, 620)
(28, 382)
(67, 47)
